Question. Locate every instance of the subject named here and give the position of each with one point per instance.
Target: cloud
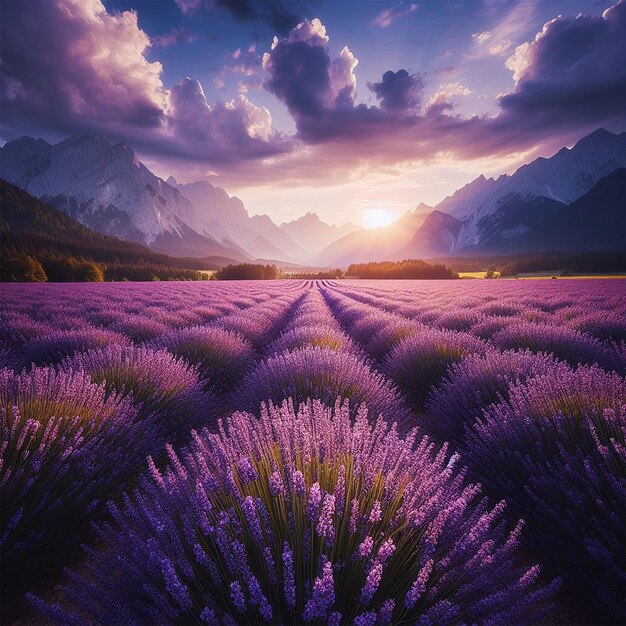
(502, 47)
(398, 91)
(574, 71)
(70, 63)
(77, 68)
(481, 38)
(387, 16)
(188, 6)
(278, 15)
(247, 62)
(444, 95)
(178, 34)
(498, 47)
(237, 122)
(302, 74)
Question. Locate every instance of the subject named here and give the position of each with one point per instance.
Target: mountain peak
(422, 206)
(172, 181)
(89, 139)
(597, 138)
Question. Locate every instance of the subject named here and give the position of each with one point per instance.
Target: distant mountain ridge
(564, 177)
(504, 215)
(105, 187)
(313, 235)
(225, 218)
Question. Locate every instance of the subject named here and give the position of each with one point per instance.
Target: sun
(375, 218)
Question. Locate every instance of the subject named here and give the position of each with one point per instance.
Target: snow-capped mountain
(227, 219)
(563, 178)
(510, 214)
(105, 187)
(312, 234)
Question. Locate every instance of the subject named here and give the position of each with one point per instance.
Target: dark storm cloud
(280, 16)
(398, 91)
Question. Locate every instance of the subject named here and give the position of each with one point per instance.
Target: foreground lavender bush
(165, 389)
(221, 356)
(422, 359)
(477, 382)
(321, 374)
(305, 518)
(65, 444)
(556, 451)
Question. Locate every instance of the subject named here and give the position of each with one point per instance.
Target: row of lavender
(311, 512)
(527, 383)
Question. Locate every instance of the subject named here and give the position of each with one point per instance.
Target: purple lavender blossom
(313, 504)
(430, 508)
(236, 595)
(556, 449)
(316, 373)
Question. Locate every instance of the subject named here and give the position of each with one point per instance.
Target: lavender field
(314, 452)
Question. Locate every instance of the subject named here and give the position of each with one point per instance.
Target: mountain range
(571, 201)
(538, 208)
(106, 188)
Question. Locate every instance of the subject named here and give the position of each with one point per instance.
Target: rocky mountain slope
(516, 213)
(105, 187)
(564, 177)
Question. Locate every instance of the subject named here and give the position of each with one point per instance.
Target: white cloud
(386, 17)
(480, 38)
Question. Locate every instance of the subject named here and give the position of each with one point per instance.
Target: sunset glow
(315, 106)
(375, 218)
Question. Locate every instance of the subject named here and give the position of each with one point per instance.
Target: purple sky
(336, 106)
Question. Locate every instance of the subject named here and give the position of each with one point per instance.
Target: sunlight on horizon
(375, 218)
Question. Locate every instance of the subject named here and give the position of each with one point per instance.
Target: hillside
(30, 227)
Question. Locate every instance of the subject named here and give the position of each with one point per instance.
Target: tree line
(409, 268)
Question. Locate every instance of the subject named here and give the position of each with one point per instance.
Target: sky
(349, 108)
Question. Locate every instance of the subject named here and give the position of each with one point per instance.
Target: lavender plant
(563, 342)
(556, 451)
(65, 444)
(301, 518)
(422, 359)
(221, 356)
(55, 346)
(322, 374)
(318, 335)
(475, 383)
(165, 389)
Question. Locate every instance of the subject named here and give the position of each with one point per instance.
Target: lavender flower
(557, 451)
(325, 523)
(236, 595)
(315, 373)
(421, 499)
(277, 487)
